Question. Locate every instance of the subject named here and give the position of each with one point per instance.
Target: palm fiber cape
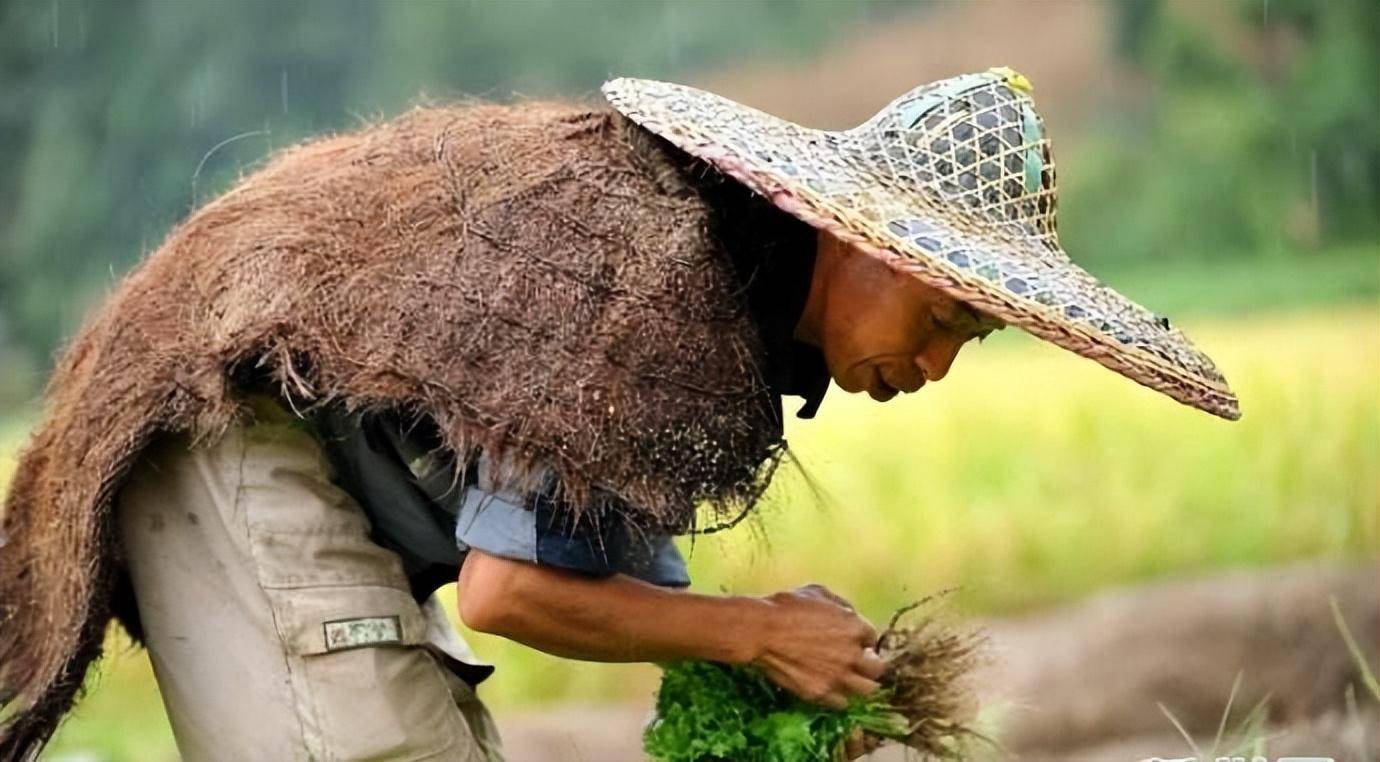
(542, 281)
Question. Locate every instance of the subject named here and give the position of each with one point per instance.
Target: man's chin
(881, 395)
(866, 378)
(880, 390)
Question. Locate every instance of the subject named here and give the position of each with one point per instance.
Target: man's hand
(813, 644)
(808, 640)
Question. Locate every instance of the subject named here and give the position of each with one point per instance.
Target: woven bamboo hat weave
(954, 183)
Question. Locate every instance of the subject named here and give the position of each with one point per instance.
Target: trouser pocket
(364, 684)
(366, 687)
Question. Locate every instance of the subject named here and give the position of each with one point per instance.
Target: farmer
(521, 347)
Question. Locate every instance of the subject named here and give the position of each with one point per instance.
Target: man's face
(883, 331)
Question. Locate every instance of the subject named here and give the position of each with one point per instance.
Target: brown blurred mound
(1061, 46)
(1093, 674)
(537, 279)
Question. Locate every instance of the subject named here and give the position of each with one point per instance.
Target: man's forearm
(615, 619)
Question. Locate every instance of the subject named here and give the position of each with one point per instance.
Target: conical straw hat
(954, 183)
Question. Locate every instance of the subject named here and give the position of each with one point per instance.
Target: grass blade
(1226, 712)
(1179, 727)
(1367, 676)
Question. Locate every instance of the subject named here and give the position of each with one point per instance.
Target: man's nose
(937, 357)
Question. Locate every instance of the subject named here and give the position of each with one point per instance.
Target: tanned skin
(882, 332)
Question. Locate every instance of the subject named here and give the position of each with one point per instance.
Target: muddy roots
(930, 660)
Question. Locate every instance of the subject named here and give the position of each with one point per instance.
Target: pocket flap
(318, 620)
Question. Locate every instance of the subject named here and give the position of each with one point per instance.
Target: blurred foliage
(1257, 137)
(119, 117)
(1239, 132)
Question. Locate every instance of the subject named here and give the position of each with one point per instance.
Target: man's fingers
(834, 696)
(864, 632)
(870, 665)
(816, 590)
(859, 686)
(867, 634)
(855, 746)
(821, 591)
(833, 700)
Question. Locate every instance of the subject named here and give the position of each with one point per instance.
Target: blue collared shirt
(431, 515)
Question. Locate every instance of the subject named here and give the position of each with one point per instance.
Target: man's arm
(806, 640)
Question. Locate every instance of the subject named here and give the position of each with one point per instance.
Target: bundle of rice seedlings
(707, 711)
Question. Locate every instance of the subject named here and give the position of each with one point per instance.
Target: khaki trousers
(277, 629)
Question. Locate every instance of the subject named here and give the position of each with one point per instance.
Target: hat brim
(1020, 278)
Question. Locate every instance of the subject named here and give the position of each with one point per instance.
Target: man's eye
(957, 322)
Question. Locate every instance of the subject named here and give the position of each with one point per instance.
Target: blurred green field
(1029, 476)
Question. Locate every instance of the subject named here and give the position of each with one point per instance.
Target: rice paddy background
(1217, 162)
(1028, 476)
